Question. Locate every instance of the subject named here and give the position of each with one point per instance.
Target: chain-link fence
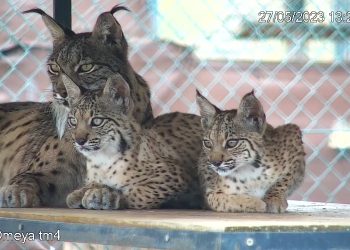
(297, 62)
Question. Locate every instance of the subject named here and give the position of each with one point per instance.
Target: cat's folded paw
(259, 206)
(18, 196)
(74, 199)
(101, 198)
(276, 204)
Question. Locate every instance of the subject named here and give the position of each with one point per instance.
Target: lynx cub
(127, 166)
(247, 165)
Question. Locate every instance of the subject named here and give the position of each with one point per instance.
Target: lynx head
(101, 122)
(233, 138)
(88, 59)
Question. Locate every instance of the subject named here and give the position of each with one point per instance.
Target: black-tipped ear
(73, 91)
(207, 110)
(107, 29)
(56, 30)
(117, 90)
(251, 113)
(117, 8)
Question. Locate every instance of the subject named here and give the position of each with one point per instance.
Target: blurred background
(299, 70)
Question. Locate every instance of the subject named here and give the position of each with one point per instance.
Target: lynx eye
(72, 121)
(95, 122)
(231, 143)
(53, 68)
(86, 68)
(207, 144)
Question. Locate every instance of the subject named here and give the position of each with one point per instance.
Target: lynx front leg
(94, 196)
(102, 197)
(276, 201)
(38, 188)
(221, 202)
(20, 195)
(44, 187)
(23, 191)
(74, 199)
(276, 196)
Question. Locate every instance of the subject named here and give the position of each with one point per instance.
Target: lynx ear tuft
(57, 31)
(117, 8)
(107, 29)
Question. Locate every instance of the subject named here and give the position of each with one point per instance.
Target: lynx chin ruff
(246, 165)
(127, 166)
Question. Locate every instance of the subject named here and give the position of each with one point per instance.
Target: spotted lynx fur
(39, 165)
(127, 166)
(247, 165)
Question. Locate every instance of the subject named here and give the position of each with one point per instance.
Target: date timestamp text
(303, 16)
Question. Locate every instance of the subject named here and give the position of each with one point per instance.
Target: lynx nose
(60, 94)
(64, 94)
(216, 163)
(80, 141)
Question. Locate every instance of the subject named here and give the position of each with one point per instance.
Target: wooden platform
(302, 218)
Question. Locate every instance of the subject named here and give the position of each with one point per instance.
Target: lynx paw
(259, 206)
(17, 196)
(74, 199)
(101, 198)
(276, 204)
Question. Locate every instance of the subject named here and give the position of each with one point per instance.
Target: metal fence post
(62, 12)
